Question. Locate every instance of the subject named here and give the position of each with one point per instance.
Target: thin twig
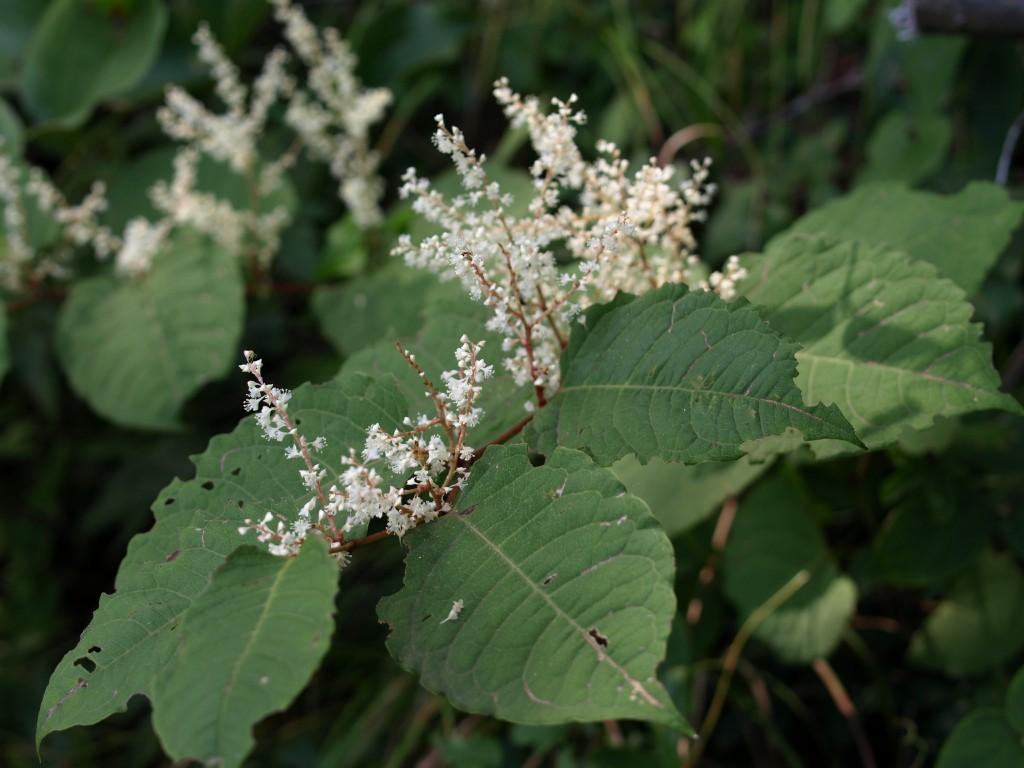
(732, 657)
(846, 708)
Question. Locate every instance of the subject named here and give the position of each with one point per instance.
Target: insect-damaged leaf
(565, 587)
(248, 645)
(134, 632)
(678, 375)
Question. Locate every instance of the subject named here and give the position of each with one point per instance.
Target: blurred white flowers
(329, 110)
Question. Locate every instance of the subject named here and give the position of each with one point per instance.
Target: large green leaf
(137, 349)
(248, 646)
(885, 337)
(980, 624)
(961, 234)
(773, 537)
(566, 592)
(681, 495)
(82, 53)
(133, 634)
(681, 376)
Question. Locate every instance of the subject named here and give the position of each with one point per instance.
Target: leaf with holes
(565, 590)
(884, 337)
(134, 632)
(681, 376)
(137, 349)
(248, 646)
(961, 234)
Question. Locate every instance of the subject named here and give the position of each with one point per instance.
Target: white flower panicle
(430, 454)
(334, 115)
(76, 225)
(626, 232)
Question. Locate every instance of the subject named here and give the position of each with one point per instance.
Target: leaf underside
(678, 375)
(566, 586)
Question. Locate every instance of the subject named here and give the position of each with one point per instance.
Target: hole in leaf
(425, 618)
(208, 485)
(95, 649)
(241, 503)
(549, 578)
(86, 663)
(173, 556)
(169, 501)
(468, 510)
(598, 637)
(236, 471)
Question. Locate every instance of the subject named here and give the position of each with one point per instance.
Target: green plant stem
(732, 657)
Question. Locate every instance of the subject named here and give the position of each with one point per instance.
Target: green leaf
(685, 377)
(906, 148)
(566, 586)
(681, 496)
(884, 337)
(448, 317)
(922, 543)
(345, 251)
(980, 624)
(137, 349)
(11, 131)
(133, 634)
(248, 646)
(384, 305)
(81, 54)
(961, 234)
(774, 537)
(983, 738)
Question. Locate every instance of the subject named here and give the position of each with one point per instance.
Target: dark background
(796, 101)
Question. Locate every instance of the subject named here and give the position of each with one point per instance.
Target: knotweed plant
(536, 588)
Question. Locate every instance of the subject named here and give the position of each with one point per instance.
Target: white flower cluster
(624, 232)
(334, 116)
(75, 225)
(724, 283)
(331, 114)
(430, 454)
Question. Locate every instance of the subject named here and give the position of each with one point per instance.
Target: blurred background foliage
(796, 101)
